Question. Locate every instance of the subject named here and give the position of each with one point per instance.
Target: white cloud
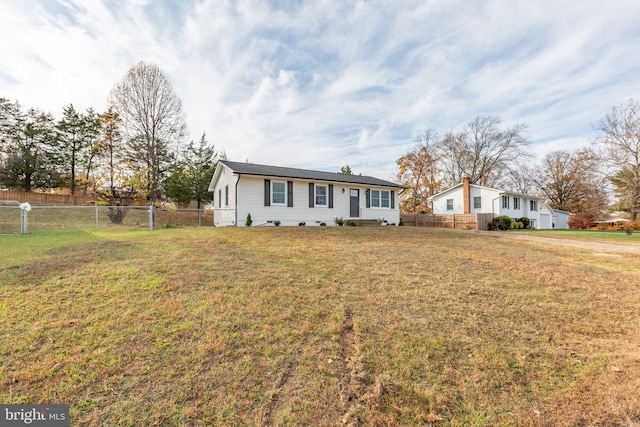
(320, 84)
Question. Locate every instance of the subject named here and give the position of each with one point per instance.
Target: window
(321, 195)
(449, 204)
(477, 202)
(384, 199)
(226, 195)
(380, 199)
(219, 198)
(505, 202)
(278, 193)
(516, 203)
(533, 205)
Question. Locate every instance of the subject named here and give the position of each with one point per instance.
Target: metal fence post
(152, 216)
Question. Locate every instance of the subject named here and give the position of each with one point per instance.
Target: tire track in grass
(281, 400)
(356, 397)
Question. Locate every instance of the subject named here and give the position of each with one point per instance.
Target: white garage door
(545, 222)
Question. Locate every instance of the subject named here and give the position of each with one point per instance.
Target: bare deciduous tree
(152, 120)
(483, 151)
(620, 140)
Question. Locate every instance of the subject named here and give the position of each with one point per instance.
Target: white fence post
(24, 217)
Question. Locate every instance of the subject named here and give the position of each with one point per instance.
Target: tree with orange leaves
(418, 171)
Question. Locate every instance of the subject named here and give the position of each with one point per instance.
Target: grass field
(318, 326)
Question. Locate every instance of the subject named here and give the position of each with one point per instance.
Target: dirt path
(589, 246)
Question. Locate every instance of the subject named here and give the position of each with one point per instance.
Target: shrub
(323, 224)
(516, 225)
(352, 223)
(302, 224)
(504, 219)
(339, 221)
(248, 221)
(401, 223)
(526, 222)
(581, 220)
(276, 223)
(496, 225)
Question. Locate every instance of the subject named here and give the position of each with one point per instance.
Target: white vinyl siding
(251, 200)
(225, 191)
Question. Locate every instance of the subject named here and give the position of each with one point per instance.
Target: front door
(354, 211)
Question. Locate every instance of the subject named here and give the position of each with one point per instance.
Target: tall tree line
(496, 156)
(134, 149)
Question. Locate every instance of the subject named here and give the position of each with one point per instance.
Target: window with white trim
(449, 204)
(533, 205)
(219, 198)
(505, 202)
(380, 199)
(226, 195)
(516, 203)
(321, 195)
(278, 193)
(477, 202)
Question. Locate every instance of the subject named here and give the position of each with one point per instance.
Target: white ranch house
(467, 198)
(292, 196)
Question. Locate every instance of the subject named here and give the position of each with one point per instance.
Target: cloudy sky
(322, 83)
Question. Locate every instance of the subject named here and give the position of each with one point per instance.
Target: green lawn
(318, 326)
(587, 235)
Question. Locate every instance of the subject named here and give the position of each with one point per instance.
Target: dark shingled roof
(283, 172)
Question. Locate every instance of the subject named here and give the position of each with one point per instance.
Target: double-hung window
(505, 202)
(278, 193)
(533, 205)
(449, 204)
(516, 203)
(477, 202)
(380, 199)
(321, 195)
(226, 195)
(384, 199)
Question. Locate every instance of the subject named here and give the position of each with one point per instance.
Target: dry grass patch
(319, 326)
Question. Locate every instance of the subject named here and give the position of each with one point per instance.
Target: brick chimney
(466, 194)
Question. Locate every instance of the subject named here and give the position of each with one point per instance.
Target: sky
(323, 83)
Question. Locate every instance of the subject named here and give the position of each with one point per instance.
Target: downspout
(236, 205)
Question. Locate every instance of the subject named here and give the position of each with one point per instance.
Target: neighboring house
(470, 198)
(292, 196)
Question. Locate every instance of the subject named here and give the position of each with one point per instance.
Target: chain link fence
(10, 220)
(16, 220)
